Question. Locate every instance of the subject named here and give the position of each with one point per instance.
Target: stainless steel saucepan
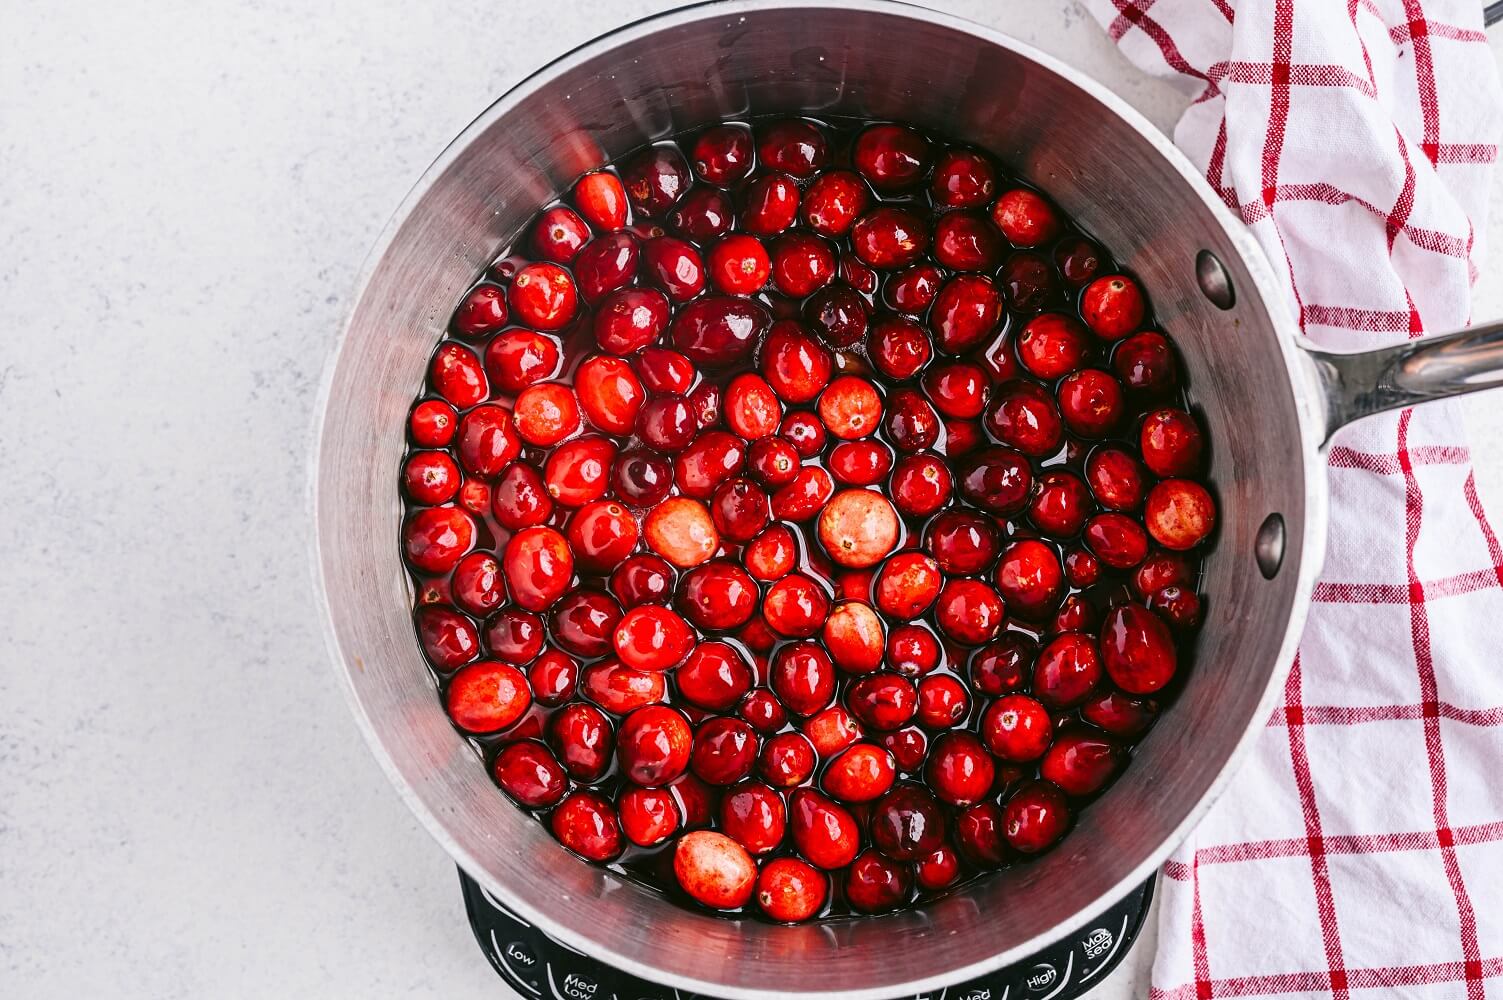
(1269, 401)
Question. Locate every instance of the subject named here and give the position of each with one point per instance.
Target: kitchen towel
(1360, 850)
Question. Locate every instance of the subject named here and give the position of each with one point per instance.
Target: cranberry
(754, 816)
(858, 528)
(911, 423)
(653, 745)
(978, 835)
(833, 201)
(969, 612)
(1091, 403)
(938, 870)
(921, 485)
(1054, 345)
(723, 155)
(966, 312)
(1179, 514)
(787, 760)
(649, 816)
(487, 696)
(457, 375)
(962, 542)
(801, 499)
(853, 634)
(883, 701)
(605, 264)
(1075, 614)
(998, 667)
(1067, 671)
(889, 237)
(1078, 261)
(1113, 306)
(483, 310)
(794, 146)
(964, 241)
(530, 774)
(942, 702)
(899, 347)
(891, 157)
(997, 480)
(702, 215)
(861, 773)
(712, 458)
(1030, 579)
(586, 824)
(1022, 415)
(448, 638)
(740, 510)
(772, 462)
(554, 677)
(803, 677)
(582, 622)
(772, 554)
(859, 463)
(432, 423)
(739, 265)
(1061, 504)
(771, 205)
(873, 884)
(958, 389)
(762, 711)
(909, 747)
(1146, 364)
(713, 677)
(1029, 281)
(488, 441)
(963, 179)
(795, 607)
(620, 689)
(914, 290)
(1136, 649)
(1170, 443)
(714, 869)
(651, 637)
(912, 650)
(665, 372)
(430, 477)
(1081, 568)
(1117, 540)
(538, 567)
(1035, 817)
(629, 319)
(609, 393)
(655, 178)
(543, 296)
(907, 584)
(752, 408)
(960, 771)
(1017, 728)
(1116, 478)
(1119, 714)
(601, 199)
(515, 359)
(838, 314)
(521, 499)
(790, 891)
(674, 266)
(695, 801)
(435, 538)
(1025, 218)
(908, 823)
(641, 478)
(546, 413)
(1160, 570)
(825, 833)
(477, 583)
(578, 471)
(1179, 606)
(559, 235)
(1080, 763)
(718, 331)
(718, 595)
(514, 636)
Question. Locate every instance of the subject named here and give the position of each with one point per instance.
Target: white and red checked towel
(1360, 852)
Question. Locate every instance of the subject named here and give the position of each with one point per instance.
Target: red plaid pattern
(1361, 849)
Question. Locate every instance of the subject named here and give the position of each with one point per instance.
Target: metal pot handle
(1359, 385)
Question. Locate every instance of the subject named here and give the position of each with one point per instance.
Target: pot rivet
(1214, 281)
(1269, 547)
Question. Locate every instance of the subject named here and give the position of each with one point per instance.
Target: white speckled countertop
(186, 193)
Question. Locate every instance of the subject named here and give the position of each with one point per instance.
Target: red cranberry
(448, 638)
(521, 499)
(457, 375)
(787, 760)
(838, 314)
(1080, 763)
(942, 702)
(718, 331)
(889, 237)
(998, 667)
(609, 393)
(1078, 260)
(1022, 415)
(790, 890)
(487, 696)
(1030, 579)
(649, 816)
(1036, 817)
(530, 774)
(921, 485)
(907, 584)
(979, 837)
(996, 479)
(740, 510)
(488, 441)
(909, 747)
(1171, 443)
(805, 497)
(1053, 345)
(858, 275)
(772, 462)
(963, 179)
(718, 595)
(969, 612)
(1117, 540)
(629, 319)
(1116, 478)
(854, 636)
(583, 622)
(559, 235)
(601, 199)
(514, 636)
(605, 264)
(795, 607)
(674, 266)
(858, 463)
(642, 579)
(908, 823)
(578, 471)
(860, 774)
(912, 650)
(665, 372)
(543, 296)
(824, 832)
(1179, 514)
(1075, 614)
(803, 677)
(960, 771)
(1136, 649)
(713, 677)
(833, 201)
(702, 215)
(1067, 671)
(435, 538)
(739, 264)
(752, 408)
(958, 389)
(1081, 568)
(1061, 505)
(695, 800)
(899, 347)
(804, 432)
(883, 701)
(619, 689)
(1091, 403)
(653, 745)
(586, 824)
(801, 264)
(515, 359)
(771, 205)
(1029, 281)
(850, 407)
(483, 310)
(723, 154)
(655, 178)
(666, 423)
(891, 157)
(873, 884)
(754, 816)
(762, 711)
(858, 528)
(712, 458)
(651, 637)
(937, 871)
(546, 413)
(914, 290)
(964, 241)
(1113, 306)
(966, 312)
(1017, 728)
(430, 477)
(962, 437)
(538, 567)
(772, 554)
(911, 423)
(1160, 570)
(477, 583)
(725, 751)
(1025, 218)
(641, 478)
(1119, 714)
(1146, 364)
(554, 677)
(794, 146)
(1179, 606)
(432, 424)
